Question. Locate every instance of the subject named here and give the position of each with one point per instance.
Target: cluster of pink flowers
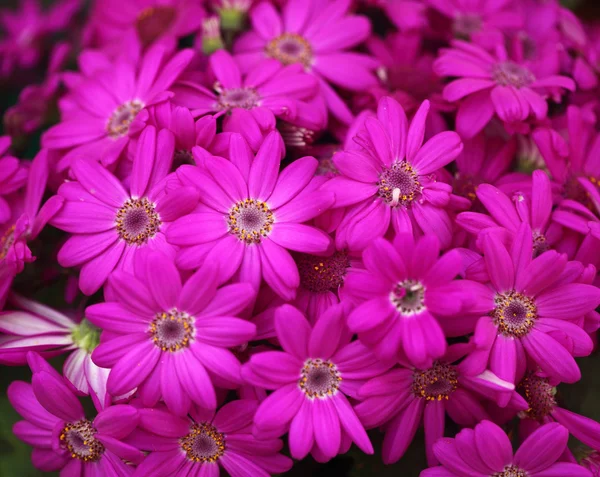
(316, 222)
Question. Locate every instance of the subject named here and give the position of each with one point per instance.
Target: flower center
(290, 48)
(511, 471)
(183, 156)
(465, 187)
(539, 244)
(575, 191)
(6, 241)
(86, 336)
(465, 25)
(122, 117)
(172, 330)
(203, 443)
(435, 383)
(539, 394)
(399, 185)
(137, 221)
(78, 438)
(320, 274)
(408, 297)
(152, 22)
(319, 379)
(514, 314)
(250, 220)
(508, 73)
(245, 98)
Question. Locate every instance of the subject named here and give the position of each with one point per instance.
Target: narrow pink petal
(401, 431)
(326, 424)
(542, 448)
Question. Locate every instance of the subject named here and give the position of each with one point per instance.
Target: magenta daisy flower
(526, 304)
(110, 225)
(62, 436)
(169, 339)
(494, 84)
(313, 377)
(36, 327)
(391, 180)
(206, 443)
(251, 215)
(402, 298)
(99, 112)
(316, 36)
(402, 398)
(490, 454)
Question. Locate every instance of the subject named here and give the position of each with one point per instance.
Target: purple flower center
(137, 221)
(78, 438)
(540, 396)
(321, 274)
(153, 22)
(508, 73)
(6, 241)
(203, 443)
(408, 297)
(511, 471)
(465, 25)
(435, 383)
(465, 186)
(172, 330)
(245, 98)
(539, 243)
(290, 48)
(319, 379)
(183, 156)
(250, 220)
(399, 185)
(514, 314)
(122, 117)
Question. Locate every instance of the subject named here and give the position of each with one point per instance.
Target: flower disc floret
(250, 220)
(514, 314)
(320, 379)
(204, 443)
(137, 221)
(435, 383)
(78, 438)
(122, 117)
(399, 184)
(172, 330)
(290, 48)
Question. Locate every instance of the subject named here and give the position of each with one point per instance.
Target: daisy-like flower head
(36, 327)
(100, 111)
(316, 36)
(493, 84)
(390, 180)
(269, 88)
(318, 369)
(143, 22)
(528, 306)
(111, 225)
(404, 397)
(250, 215)
(403, 296)
(62, 436)
(170, 339)
(491, 454)
(207, 442)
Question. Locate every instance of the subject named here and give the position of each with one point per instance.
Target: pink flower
(99, 112)
(490, 453)
(169, 339)
(111, 225)
(391, 179)
(494, 84)
(250, 215)
(207, 442)
(318, 368)
(317, 36)
(13, 176)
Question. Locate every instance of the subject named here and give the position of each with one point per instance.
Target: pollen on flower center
(172, 330)
(435, 383)
(514, 314)
(246, 98)
(122, 117)
(290, 48)
(319, 378)
(511, 471)
(153, 21)
(540, 245)
(250, 220)
(320, 274)
(539, 394)
(204, 443)
(78, 438)
(408, 297)
(508, 73)
(6, 241)
(399, 185)
(137, 221)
